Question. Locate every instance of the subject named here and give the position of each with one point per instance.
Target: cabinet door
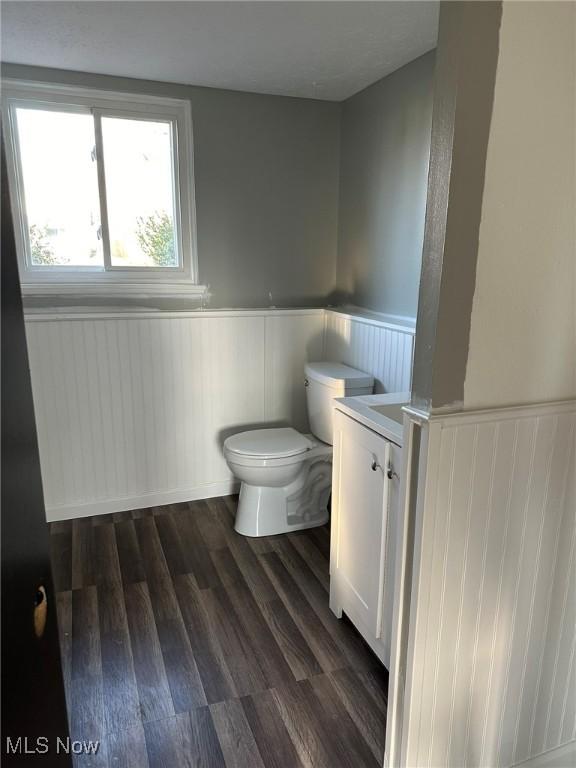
(359, 524)
(392, 497)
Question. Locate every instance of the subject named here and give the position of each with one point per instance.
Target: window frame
(43, 279)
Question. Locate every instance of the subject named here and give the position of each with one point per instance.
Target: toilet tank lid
(338, 375)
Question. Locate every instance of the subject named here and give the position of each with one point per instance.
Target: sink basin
(391, 411)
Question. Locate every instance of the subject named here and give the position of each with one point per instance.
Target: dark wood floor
(185, 644)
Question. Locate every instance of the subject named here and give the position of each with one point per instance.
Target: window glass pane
(139, 192)
(60, 187)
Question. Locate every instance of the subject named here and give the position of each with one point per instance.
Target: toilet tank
(324, 382)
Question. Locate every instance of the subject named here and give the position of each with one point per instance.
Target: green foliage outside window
(155, 234)
(41, 250)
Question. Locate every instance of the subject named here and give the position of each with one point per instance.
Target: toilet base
(265, 511)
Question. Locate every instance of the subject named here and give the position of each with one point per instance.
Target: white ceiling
(323, 50)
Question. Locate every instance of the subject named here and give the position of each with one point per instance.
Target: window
(102, 188)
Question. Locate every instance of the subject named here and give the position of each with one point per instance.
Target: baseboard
(154, 499)
(560, 757)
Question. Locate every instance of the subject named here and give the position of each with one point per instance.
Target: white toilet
(286, 476)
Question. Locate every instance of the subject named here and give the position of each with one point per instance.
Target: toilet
(286, 475)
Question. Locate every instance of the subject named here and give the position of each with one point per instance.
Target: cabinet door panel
(358, 564)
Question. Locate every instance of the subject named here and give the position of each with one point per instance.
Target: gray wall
(266, 175)
(385, 147)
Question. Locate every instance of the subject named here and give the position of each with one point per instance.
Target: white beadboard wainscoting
(364, 341)
(132, 407)
(490, 672)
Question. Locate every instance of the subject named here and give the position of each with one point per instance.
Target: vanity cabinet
(365, 496)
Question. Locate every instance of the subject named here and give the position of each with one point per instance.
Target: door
(33, 704)
(359, 524)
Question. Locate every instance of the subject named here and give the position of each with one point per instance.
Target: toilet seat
(260, 444)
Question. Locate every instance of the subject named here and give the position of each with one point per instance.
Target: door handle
(374, 466)
(40, 611)
(390, 472)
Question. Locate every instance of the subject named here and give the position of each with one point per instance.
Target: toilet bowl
(286, 479)
(286, 476)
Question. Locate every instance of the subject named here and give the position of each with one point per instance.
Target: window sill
(117, 290)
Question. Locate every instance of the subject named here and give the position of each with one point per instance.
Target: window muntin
(167, 218)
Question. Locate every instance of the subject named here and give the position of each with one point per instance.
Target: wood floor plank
(200, 743)
(181, 670)
(236, 739)
(349, 736)
(312, 556)
(95, 757)
(85, 632)
(269, 731)
(198, 554)
(86, 708)
(262, 544)
(296, 651)
(119, 688)
(230, 504)
(153, 559)
(127, 748)
(162, 743)
(153, 689)
(188, 740)
(226, 566)
(272, 662)
(216, 679)
(166, 509)
(172, 545)
(101, 520)
(302, 725)
(106, 562)
(86, 700)
(61, 557)
(354, 649)
(369, 719)
(64, 611)
(338, 734)
(240, 655)
(376, 683)
(60, 526)
(321, 538)
(325, 650)
(208, 524)
(247, 561)
(139, 514)
(163, 598)
(129, 555)
(256, 577)
(82, 554)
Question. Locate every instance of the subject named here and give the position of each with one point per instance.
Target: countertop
(380, 413)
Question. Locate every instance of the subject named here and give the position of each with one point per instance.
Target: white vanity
(365, 501)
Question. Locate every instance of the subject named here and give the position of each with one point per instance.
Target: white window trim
(129, 281)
